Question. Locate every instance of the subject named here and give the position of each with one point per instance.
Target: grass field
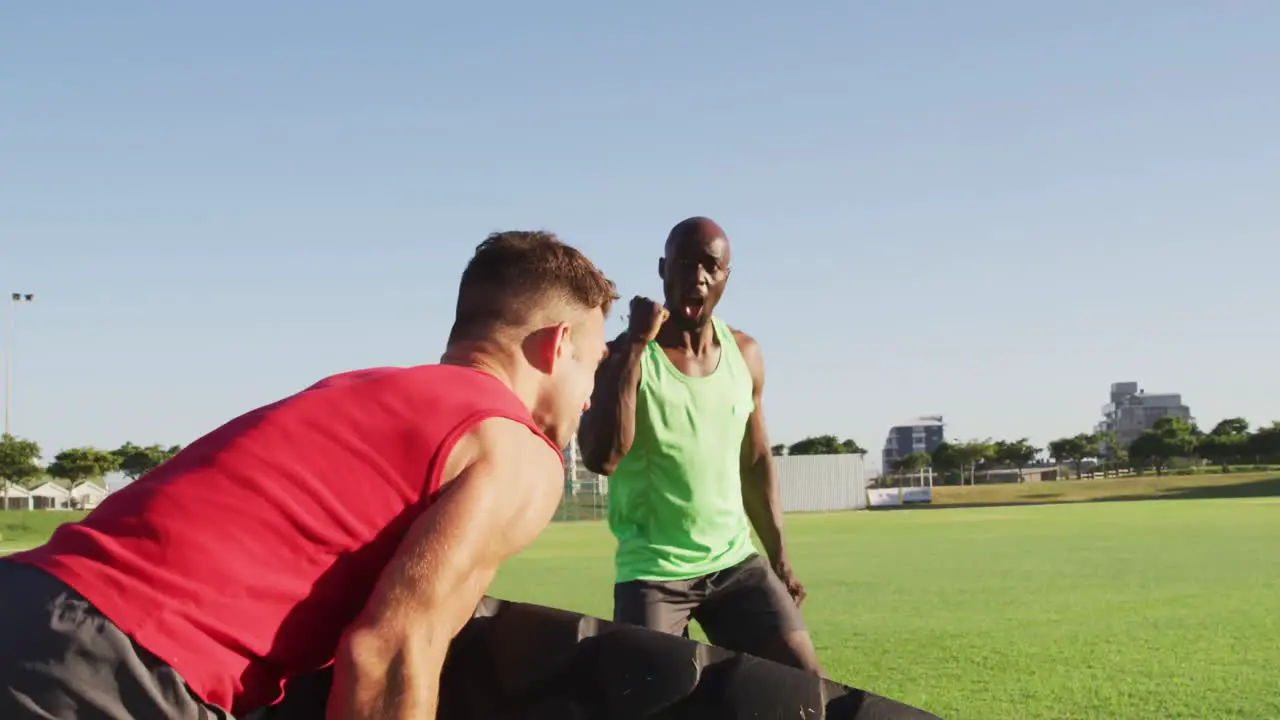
(1094, 610)
(1147, 487)
(1165, 609)
(21, 529)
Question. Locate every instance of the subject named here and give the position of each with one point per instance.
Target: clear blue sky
(989, 210)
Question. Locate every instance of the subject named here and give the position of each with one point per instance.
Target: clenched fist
(646, 318)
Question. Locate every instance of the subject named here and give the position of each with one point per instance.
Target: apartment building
(922, 434)
(1133, 410)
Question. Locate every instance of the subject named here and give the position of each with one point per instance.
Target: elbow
(601, 463)
(604, 460)
(601, 458)
(381, 675)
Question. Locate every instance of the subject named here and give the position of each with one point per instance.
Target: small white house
(14, 497)
(87, 495)
(50, 496)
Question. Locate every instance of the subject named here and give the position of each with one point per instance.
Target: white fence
(808, 483)
(893, 497)
(821, 483)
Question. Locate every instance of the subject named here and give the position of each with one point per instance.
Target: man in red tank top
(357, 522)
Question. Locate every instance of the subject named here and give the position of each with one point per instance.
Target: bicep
(755, 439)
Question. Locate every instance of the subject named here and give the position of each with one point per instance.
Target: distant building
(923, 434)
(1132, 411)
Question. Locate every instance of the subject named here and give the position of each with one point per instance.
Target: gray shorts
(62, 659)
(744, 608)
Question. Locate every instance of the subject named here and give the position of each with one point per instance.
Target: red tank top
(242, 560)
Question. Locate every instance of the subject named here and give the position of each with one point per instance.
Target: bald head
(694, 231)
(694, 270)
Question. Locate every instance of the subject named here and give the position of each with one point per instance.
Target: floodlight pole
(15, 299)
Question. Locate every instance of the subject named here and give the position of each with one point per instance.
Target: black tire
(515, 661)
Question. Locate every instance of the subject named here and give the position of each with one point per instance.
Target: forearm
(374, 679)
(761, 499)
(609, 427)
(389, 662)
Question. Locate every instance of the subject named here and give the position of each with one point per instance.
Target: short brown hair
(515, 273)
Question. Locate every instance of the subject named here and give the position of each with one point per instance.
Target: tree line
(20, 462)
(1169, 440)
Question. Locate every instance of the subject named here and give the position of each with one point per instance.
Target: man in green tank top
(676, 423)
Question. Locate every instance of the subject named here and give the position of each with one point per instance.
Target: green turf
(1164, 609)
(1145, 487)
(23, 529)
(1167, 609)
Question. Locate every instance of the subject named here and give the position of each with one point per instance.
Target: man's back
(241, 560)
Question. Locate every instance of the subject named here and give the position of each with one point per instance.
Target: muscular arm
(504, 494)
(759, 483)
(609, 427)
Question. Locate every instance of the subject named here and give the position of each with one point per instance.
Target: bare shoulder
(748, 346)
(505, 445)
(751, 355)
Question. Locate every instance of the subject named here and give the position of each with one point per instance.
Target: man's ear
(662, 268)
(546, 347)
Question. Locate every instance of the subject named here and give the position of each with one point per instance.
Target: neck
(693, 340)
(498, 361)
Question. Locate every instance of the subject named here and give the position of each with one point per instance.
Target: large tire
(515, 661)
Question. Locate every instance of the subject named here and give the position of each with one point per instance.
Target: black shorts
(744, 608)
(60, 658)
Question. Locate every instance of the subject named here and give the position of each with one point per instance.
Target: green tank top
(675, 500)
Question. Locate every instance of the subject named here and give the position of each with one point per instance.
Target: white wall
(821, 483)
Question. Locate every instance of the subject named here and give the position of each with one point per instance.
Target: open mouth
(693, 307)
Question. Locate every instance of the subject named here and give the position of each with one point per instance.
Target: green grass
(23, 529)
(1093, 610)
(1147, 487)
(1085, 610)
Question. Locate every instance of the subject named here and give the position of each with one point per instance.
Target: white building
(1132, 411)
(50, 496)
(87, 495)
(14, 497)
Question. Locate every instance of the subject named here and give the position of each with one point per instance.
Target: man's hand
(646, 318)
(784, 572)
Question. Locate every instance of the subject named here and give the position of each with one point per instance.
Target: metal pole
(14, 299)
(8, 355)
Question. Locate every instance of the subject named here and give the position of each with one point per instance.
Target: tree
(971, 455)
(83, 463)
(1075, 449)
(19, 462)
(1231, 426)
(912, 463)
(946, 461)
(1169, 437)
(1222, 450)
(825, 445)
(778, 450)
(1083, 447)
(853, 448)
(1264, 443)
(1180, 436)
(1226, 443)
(1060, 450)
(1114, 456)
(1148, 450)
(137, 461)
(1019, 454)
